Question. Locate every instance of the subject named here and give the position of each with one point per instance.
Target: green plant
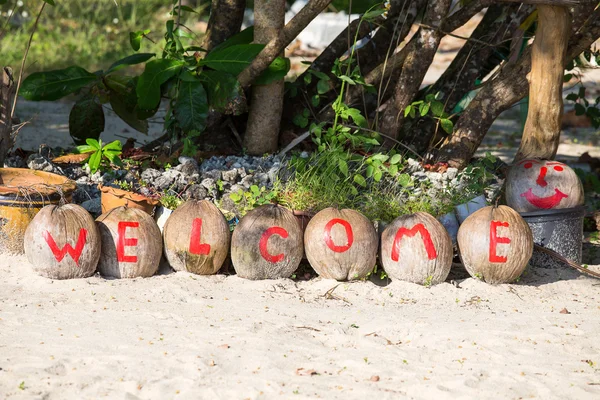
(170, 201)
(474, 179)
(432, 106)
(252, 198)
(192, 79)
(428, 281)
(124, 185)
(101, 154)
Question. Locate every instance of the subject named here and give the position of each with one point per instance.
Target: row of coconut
(65, 242)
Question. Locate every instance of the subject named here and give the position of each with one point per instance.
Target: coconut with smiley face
(535, 185)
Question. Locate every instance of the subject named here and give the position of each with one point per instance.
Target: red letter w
(75, 253)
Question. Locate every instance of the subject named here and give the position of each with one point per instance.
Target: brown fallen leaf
(565, 311)
(72, 158)
(375, 378)
(224, 346)
(305, 372)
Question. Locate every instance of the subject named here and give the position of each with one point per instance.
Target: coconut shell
(63, 242)
(267, 244)
(341, 244)
(196, 238)
(131, 243)
(495, 244)
(534, 185)
(416, 248)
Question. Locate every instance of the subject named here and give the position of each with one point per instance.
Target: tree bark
(225, 20)
(284, 38)
(6, 102)
(266, 105)
(500, 94)
(413, 70)
(541, 135)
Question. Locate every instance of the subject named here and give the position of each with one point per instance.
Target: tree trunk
(413, 70)
(500, 94)
(6, 101)
(541, 135)
(276, 45)
(225, 20)
(266, 105)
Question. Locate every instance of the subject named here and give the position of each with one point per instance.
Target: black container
(560, 230)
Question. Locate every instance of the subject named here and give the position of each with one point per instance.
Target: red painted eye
(558, 168)
(528, 165)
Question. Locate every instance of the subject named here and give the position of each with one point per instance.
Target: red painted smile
(544, 202)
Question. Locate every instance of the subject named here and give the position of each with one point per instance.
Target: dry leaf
(72, 158)
(224, 346)
(375, 378)
(305, 372)
(565, 311)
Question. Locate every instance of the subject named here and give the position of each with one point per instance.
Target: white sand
(181, 336)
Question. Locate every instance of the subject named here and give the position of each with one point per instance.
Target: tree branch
(278, 44)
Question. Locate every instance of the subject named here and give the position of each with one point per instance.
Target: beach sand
(182, 336)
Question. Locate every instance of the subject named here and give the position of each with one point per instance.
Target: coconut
(416, 248)
(341, 244)
(533, 185)
(196, 238)
(131, 243)
(63, 242)
(495, 244)
(267, 244)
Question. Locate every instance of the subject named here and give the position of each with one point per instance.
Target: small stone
(15, 162)
(189, 169)
(187, 160)
(93, 206)
(209, 184)
(163, 182)
(451, 173)
(130, 177)
(197, 192)
(150, 174)
(247, 181)
(565, 311)
(230, 176)
(214, 174)
(236, 165)
(241, 172)
(74, 173)
(262, 178)
(375, 378)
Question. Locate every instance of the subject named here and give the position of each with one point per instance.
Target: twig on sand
(570, 263)
(329, 294)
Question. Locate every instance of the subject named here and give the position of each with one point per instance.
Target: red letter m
(418, 228)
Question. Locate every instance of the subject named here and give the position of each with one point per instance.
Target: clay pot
(534, 185)
(267, 244)
(416, 248)
(63, 242)
(131, 243)
(112, 198)
(495, 244)
(23, 193)
(341, 244)
(196, 238)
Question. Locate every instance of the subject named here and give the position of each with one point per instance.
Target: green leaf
(224, 92)
(127, 112)
(437, 108)
(94, 161)
(380, 157)
(360, 180)
(343, 165)
(447, 125)
(356, 116)
(373, 13)
(393, 169)
(130, 60)
(115, 145)
(85, 149)
(377, 175)
(572, 97)
(52, 85)
(51, 2)
(277, 70)
(315, 100)
(404, 180)
(86, 120)
(233, 59)
(300, 120)
(396, 158)
(407, 110)
(424, 109)
(322, 76)
(567, 77)
(236, 197)
(579, 109)
(347, 79)
(191, 107)
(370, 170)
(244, 37)
(187, 8)
(323, 86)
(135, 38)
(155, 74)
